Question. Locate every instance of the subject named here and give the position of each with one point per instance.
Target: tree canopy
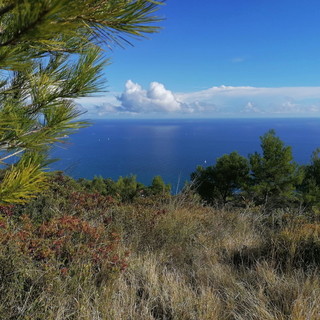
(274, 173)
(220, 181)
(269, 178)
(51, 52)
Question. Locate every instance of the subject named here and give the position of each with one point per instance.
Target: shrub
(64, 240)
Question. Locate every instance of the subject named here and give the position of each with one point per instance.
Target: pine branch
(36, 100)
(12, 155)
(6, 9)
(20, 33)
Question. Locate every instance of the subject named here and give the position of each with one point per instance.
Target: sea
(173, 148)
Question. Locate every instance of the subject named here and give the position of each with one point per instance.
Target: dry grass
(187, 262)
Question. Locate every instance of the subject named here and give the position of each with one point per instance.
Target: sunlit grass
(156, 258)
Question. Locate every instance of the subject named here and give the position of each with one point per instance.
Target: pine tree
(310, 186)
(220, 182)
(274, 173)
(50, 54)
(158, 187)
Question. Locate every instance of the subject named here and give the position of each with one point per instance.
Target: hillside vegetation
(119, 250)
(240, 242)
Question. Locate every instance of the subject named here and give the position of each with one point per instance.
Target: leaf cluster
(51, 52)
(32, 29)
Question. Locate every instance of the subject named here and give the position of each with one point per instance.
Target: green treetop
(310, 186)
(50, 54)
(219, 183)
(274, 174)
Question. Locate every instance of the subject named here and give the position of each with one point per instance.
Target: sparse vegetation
(77, 253)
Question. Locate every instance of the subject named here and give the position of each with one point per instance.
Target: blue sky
(225, 58)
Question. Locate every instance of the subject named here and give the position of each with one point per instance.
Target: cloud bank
(215, 101)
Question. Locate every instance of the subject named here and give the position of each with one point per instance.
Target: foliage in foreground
(51, 52)
(75, 253)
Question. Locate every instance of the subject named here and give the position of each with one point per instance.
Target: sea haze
(173, 148)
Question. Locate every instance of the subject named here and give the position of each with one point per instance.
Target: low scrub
(75, 253)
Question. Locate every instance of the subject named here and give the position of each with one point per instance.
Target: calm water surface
(173, 148)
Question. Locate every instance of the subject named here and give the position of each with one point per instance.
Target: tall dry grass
(186, 262)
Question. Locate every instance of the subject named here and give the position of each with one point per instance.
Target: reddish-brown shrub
(7, 210)
(66, 239)
(85, 201)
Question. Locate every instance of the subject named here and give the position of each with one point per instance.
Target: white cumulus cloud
(156, 99)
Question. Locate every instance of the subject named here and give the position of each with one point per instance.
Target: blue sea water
(173, 148)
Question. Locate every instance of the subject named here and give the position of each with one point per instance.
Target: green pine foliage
(310, 186)
(274, 173)
(36, 28)
(270, 178)
(158, 186)
(51, 52)
(220, 182)
(126, 189)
